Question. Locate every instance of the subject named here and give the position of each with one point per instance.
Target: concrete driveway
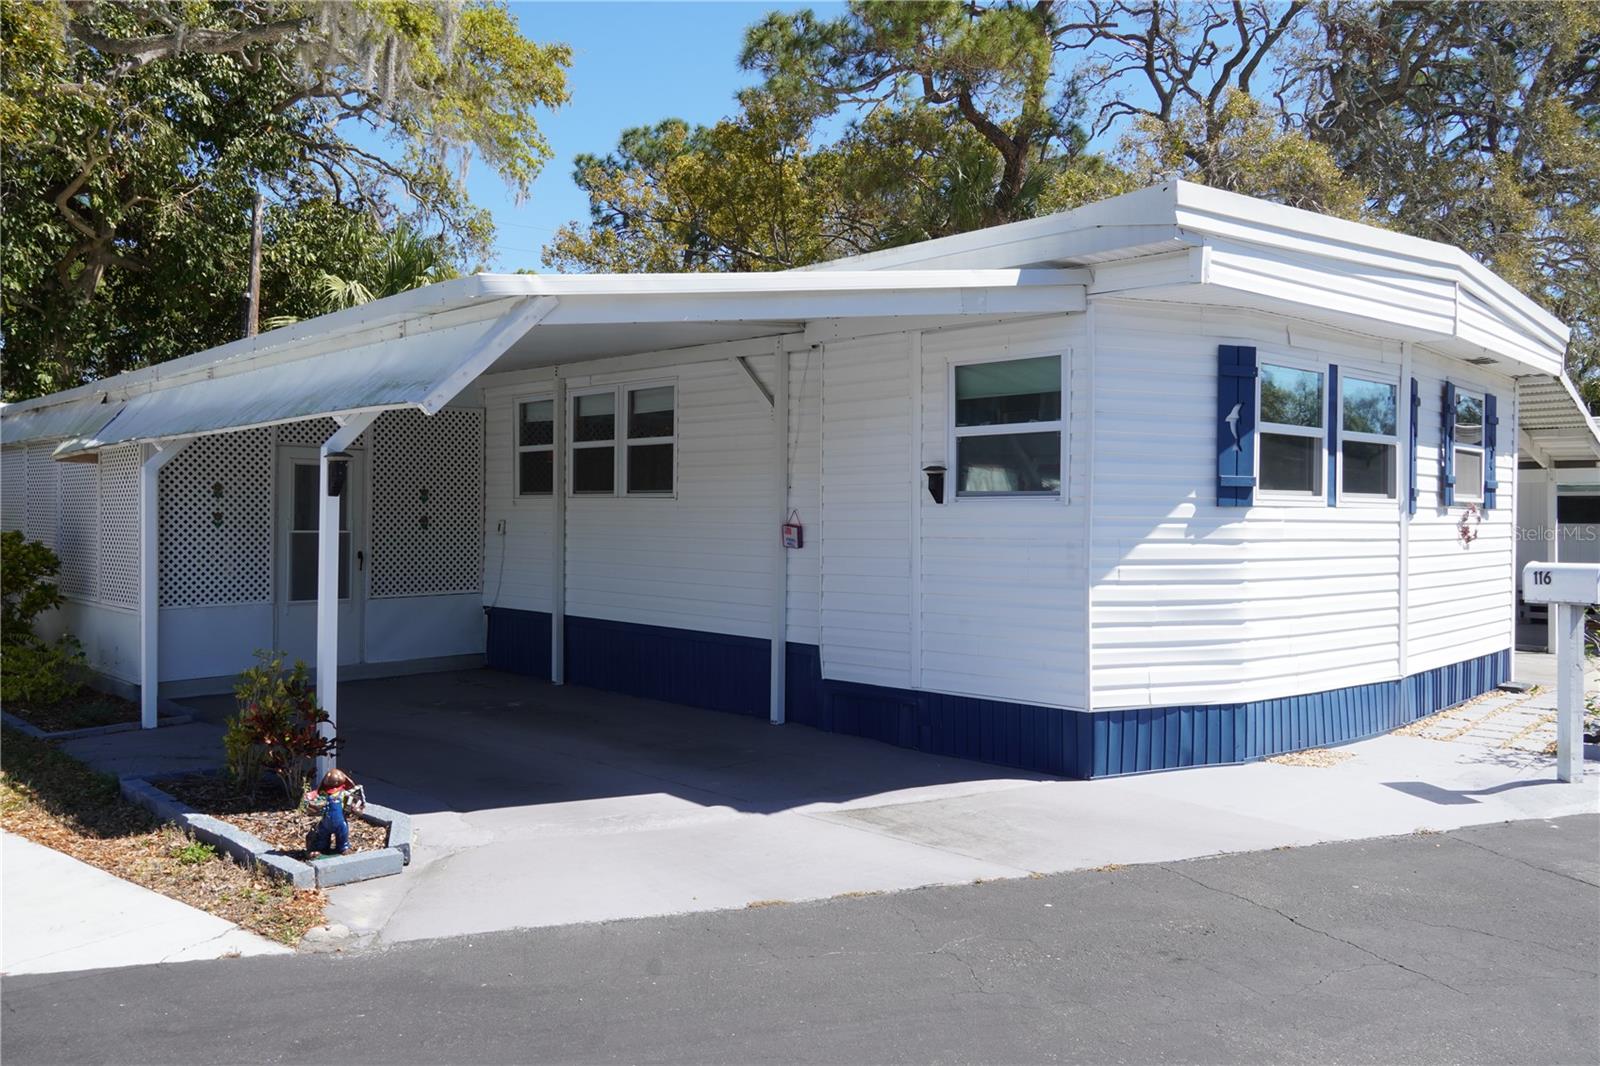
(540, 806)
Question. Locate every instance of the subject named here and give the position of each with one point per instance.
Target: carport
(1558, 490)
(541, 805)
(419, 351)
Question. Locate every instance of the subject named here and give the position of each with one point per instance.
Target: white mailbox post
(1571, 588)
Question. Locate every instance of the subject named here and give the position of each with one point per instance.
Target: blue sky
(634, 63)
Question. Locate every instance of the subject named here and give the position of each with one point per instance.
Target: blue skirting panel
(710, 670)
(726, 673)
(518, 642)
(1109, 743)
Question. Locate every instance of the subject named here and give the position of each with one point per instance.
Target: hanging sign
(794, 534)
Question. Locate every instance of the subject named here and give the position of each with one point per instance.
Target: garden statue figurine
(333, 800)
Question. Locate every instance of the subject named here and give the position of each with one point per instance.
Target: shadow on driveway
(481, 739)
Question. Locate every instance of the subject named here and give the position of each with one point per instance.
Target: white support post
(1552, 554)
(914, 585)
(1516, 497)
(558, 535)
(156, 456)
(1569, 691)
(349, 429)
(780, 570)
(1403, 496)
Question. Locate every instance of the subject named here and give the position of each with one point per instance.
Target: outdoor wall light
(338, 470)
(935, 482)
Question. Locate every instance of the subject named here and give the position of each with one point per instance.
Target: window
(594, 443)
(1291, 430)
(1007, 427)
(305, 517)
(650, 439)
(646, 464)
(1369, 442)
(1469, 447)
(536, 447)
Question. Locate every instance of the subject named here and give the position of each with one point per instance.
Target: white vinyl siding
(699, 559)
(1461, 596)
(866, 510)
(805, 493)
(996, 584)
(1196, 604)
(517, 563)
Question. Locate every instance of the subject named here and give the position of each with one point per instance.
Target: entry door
(299, 511)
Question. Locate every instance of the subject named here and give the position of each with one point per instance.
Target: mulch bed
(84, 710)
(55, 800)
(268, 816)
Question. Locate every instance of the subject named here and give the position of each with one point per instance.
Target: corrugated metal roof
(1552, 414)
(420, 348)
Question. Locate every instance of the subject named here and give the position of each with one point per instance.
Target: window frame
(518, 448)
(954, 433)
(619, 443)
(1317, 494)
(1392, 441)
(1477, 495)
(629, 442)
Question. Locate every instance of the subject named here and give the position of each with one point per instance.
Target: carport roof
(1553, 423)
(419, 349)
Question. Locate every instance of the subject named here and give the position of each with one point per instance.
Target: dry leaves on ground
(54, 800)
(83, 710)
(269, 816)
(1317, 757)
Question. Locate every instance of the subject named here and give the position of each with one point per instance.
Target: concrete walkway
(541, 806)
(57, 914)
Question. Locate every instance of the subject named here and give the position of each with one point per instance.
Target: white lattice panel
(44, 497)
(14, 488)
(216, 521)
(80, 528)
(311, 433)
(119, 526)
(427, 503)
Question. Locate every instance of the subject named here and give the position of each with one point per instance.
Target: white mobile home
(1174, 479)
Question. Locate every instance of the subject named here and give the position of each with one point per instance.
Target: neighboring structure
(1176, 478)
(1558, 502)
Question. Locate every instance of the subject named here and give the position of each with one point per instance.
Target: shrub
(276, 727)
(242, 754)
(26, 586)
(39, 673)
(32, 670)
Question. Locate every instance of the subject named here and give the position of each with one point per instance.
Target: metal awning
(1552, 422)
(420, 349)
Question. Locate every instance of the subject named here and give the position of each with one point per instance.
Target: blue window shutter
(1236, 425)
(1333, 435)
(1447, 448)
(1490, 423)
(1411, 463)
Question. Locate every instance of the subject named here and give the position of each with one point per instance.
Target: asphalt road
(1473, 946)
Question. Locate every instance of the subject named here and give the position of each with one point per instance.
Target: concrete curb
(31, 730)
(250, 850)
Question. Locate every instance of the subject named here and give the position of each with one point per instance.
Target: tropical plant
(278, 726)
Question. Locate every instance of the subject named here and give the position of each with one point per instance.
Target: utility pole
(252, 296)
